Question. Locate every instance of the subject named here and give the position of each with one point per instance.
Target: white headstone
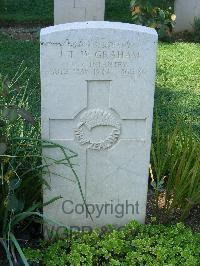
(186, 11)
(97, 99)
(78, 10)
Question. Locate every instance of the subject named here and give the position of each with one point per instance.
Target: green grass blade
(7, 252)
(15, 242)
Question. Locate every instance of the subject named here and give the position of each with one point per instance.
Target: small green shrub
(148, 13)
(135, 244)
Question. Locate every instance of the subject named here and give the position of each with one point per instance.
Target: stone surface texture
(78, 10)
(186, 11)
(97, 83)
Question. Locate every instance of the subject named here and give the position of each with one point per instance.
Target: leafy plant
(176, 170)
(135, 244)
(146, 13)
(22, 166)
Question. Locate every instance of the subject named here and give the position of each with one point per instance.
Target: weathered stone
(185, 12)
(78, 10)
(97, 99)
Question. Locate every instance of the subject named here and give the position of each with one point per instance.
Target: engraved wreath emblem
(94, 118)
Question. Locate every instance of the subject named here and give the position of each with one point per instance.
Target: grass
(34, 11)
(178, 79)
(30, 11)
(177, 84)
(24, 53)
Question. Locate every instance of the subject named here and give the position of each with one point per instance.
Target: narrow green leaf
(14, 240)
(15, 183)
(3, 148)
(14, 204)
(10, 113)
(26, 115)
(7, 252)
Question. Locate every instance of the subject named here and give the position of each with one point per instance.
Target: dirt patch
(192, 221)
(34, 24)
(185, 36)
(24, 34)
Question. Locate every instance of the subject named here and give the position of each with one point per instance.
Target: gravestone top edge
(98, 25)
(97, 85)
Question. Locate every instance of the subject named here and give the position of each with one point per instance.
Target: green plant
(147, 13)
(135, 244)
(22, 166)
(196, 29)
(176, 170)
(117, 10)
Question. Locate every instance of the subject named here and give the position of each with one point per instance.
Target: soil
(192, 221)
(19, 33)
(26, 25)
(185, 36)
